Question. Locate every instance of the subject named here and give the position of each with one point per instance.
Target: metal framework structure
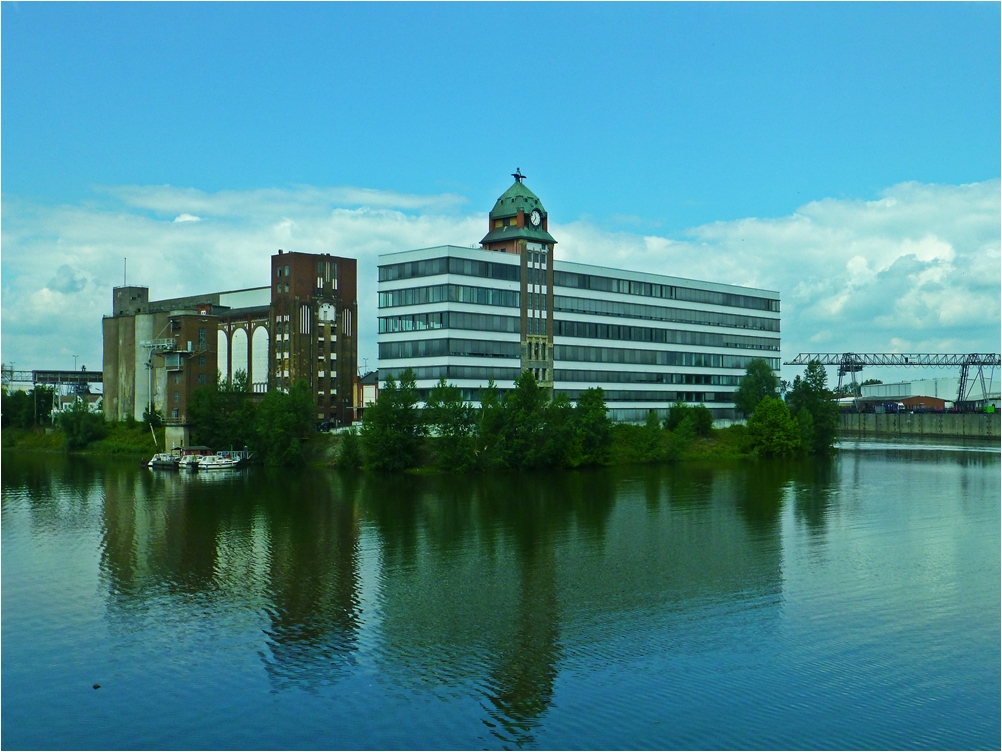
(9, 376)
(853, 363)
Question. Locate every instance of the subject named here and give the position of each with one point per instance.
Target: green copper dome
(517, 197)
(506, 208)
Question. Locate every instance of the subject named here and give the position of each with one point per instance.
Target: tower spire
(519, 177)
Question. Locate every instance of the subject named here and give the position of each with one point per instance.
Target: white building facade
(648, 340)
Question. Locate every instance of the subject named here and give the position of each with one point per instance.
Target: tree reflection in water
(481, 585)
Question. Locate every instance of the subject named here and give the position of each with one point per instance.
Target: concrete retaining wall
(985, 425)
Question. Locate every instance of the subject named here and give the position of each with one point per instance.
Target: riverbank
(118, 439)
(630, 445)
(963, 425)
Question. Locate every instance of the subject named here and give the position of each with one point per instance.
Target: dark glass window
(588, 354)
(481, 322)
(567, 304)
(648, 289)
(449, 265)
(643, 377)
(450, 294)
(428, 348)
(592, 330)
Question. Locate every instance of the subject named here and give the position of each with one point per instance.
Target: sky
(846, 155)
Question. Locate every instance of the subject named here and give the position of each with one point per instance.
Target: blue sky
(641, 127)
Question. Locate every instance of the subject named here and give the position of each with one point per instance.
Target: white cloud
(918, 268)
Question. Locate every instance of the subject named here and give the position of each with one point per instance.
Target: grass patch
(123, 438)
(30, 440)
(723, 443)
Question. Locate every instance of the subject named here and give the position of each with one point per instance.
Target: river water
(845, 603)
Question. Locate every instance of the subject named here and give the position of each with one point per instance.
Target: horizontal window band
(640, 395)
(591, 330)
(482, 373)
(428, 348)
(448, 293)
(619, 309)
(643, 377)
(417, 322)
(589, 354)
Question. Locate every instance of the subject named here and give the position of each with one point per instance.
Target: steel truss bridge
(78, 379)
(972, 366)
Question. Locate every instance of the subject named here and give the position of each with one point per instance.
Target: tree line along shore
(521, 429)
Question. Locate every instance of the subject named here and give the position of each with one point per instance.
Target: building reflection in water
(485, 585)
(278, 545)
(491, 582)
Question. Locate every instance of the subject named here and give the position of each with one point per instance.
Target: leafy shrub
(772, 431)
(758, 382)
(81, 426)
(392, 427)
(349, 451)
(699, 416)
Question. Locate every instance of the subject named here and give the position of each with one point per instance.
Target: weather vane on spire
(519, 177)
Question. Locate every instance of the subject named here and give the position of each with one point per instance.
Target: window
(201, 378)
(177, 378)
(565, 304)
(174, 413)
(449, 293)
(591, 330)
(426, 348)
(286, 284)
(286, 274)
(201, 360)
(201, 339)
(177, 396)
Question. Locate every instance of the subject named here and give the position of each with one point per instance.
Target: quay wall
(984, 425)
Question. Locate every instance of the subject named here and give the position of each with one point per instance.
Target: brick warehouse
(301, 326)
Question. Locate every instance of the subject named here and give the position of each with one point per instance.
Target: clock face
(535, 218)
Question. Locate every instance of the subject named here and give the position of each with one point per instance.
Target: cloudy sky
(845, 155)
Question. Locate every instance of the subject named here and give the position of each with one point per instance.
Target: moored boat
(190, 456)
(220, 461)
(164, 461)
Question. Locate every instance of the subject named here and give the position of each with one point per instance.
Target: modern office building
(647, 339)
(300, 326)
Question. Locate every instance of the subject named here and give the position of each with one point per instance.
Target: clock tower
(518, 225)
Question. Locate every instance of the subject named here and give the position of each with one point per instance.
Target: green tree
(453, 421)
(81, 426)
(489, 425)
(349, 451)
(811, 394)
(224, 415)
(284, 422)
(520, 439)
(759, 381)
(593, 427)
(773, 433)
(27, 409)
(699, 417)
(652, 449)
(559, 446)
(155, 419)
(392, 427)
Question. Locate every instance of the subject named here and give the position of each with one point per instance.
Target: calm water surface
(851, 603)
